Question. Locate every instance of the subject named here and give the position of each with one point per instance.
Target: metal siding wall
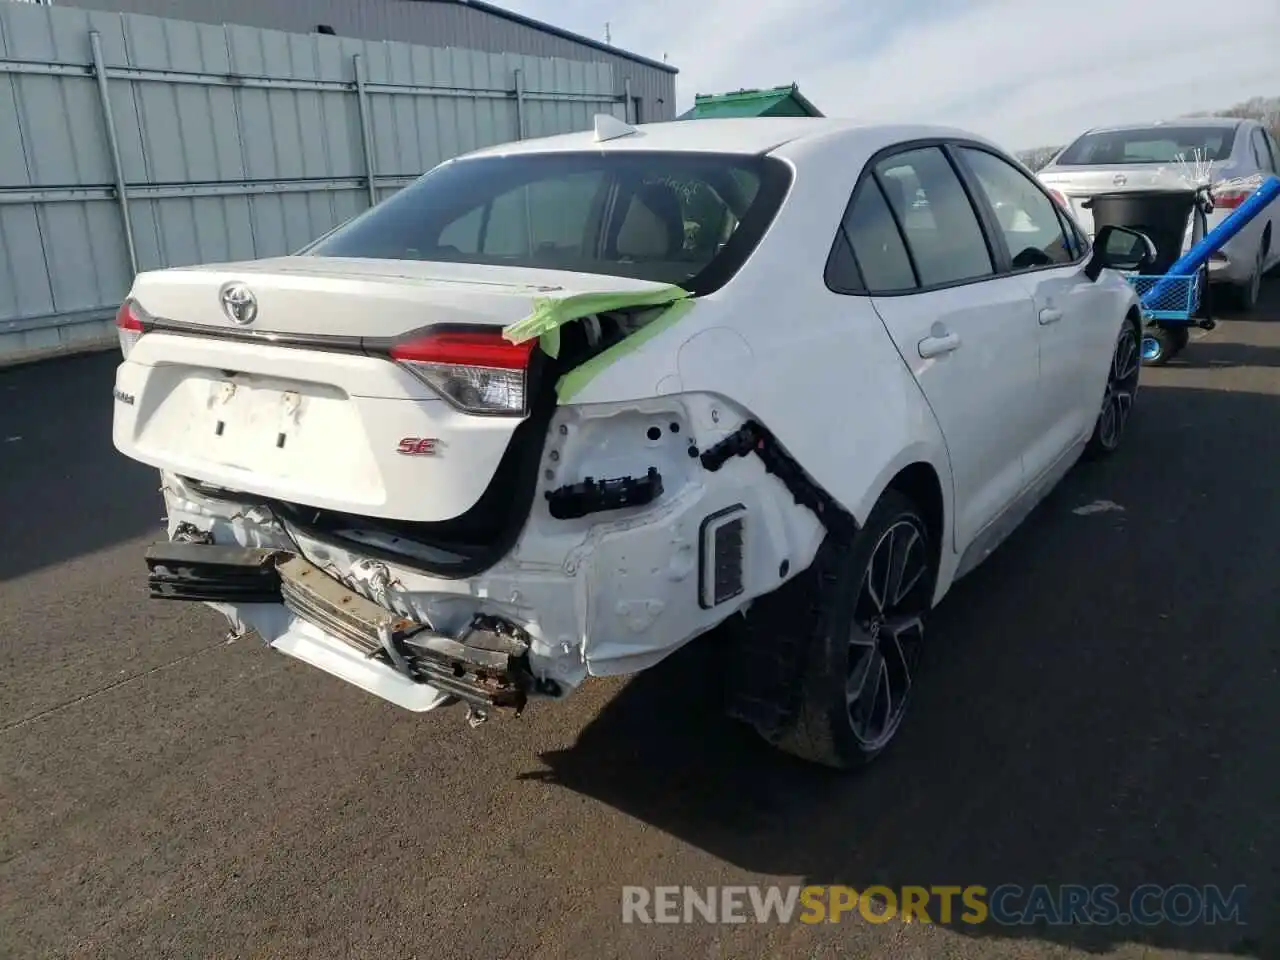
(247, 143)
(413, 21)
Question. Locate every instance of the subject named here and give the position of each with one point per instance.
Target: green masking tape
(573, 382)
(550, 314)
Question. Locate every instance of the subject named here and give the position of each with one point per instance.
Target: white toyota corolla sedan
(562, 406)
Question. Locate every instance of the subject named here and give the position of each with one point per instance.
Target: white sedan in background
(1161, 156)
(519, 424)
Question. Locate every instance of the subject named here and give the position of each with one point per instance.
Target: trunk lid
(1078, 183)
(303, 404)
(331, 296)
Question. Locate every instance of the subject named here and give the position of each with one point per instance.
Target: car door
(1268, 165)
(967, 334)
(1076, 335)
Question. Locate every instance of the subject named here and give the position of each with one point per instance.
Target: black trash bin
(1161, 214)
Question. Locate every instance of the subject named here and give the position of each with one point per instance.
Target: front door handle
(937, 346)
(1050, 315)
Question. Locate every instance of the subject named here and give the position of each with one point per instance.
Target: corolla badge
(239, 304)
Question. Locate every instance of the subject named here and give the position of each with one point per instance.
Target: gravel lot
(1100, 705)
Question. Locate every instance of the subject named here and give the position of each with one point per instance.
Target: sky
(1024, 72)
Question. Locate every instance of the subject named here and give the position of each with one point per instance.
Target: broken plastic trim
(597, 496)
(751, 437)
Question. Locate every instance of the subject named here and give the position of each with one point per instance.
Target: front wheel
(862, 658)
(1162, 344)
(1243, 297)
(1121, 392)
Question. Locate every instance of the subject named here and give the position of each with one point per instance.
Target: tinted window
(1150, 145)
(1028, 219)
(669, 217)
(1262, 151)
(877, 245)
(1273, 150)
(937, 219)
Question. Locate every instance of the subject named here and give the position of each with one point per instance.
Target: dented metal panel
(234, 142)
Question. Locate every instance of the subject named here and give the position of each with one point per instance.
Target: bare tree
(1266, 110)
(1038, 156)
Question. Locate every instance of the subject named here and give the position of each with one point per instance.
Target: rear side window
(941, 228)
(1163, 144)
(684, 218)
(873, 237)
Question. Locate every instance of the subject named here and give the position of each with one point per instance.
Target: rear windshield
(684, 218)
(1150, 145)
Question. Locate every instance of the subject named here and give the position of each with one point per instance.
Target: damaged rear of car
(448, 453)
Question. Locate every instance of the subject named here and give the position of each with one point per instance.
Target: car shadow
(64, 489)
(1210, 354)
(1098, 706)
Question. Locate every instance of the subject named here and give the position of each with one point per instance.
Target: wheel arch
(923, 476)
(919, 482)
(1134, 317)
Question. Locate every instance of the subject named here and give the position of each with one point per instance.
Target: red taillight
(1230, 199)
(129, 326)
(475, 370)
(127, 319)
(467, 348)
(1062, 201)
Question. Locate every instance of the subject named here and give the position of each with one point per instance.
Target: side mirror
(1119, 248)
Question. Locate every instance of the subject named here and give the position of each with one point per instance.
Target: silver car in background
(1161, 156)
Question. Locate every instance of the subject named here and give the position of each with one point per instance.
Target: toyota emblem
(1120, 180)
(239, 304)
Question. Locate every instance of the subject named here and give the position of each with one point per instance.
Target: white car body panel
(998, 346)
(839, 380)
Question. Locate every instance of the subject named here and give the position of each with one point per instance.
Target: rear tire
(867, 635)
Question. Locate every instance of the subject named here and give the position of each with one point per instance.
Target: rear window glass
(683, 218)
(1150, 145)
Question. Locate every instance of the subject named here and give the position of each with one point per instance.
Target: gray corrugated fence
(190, 143)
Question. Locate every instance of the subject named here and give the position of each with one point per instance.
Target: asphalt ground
(1100, 705)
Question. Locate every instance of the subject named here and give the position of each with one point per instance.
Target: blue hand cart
(1169, 312)
(1177, 297)
(1171, 301)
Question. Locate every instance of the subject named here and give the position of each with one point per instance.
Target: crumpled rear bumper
(345, 634)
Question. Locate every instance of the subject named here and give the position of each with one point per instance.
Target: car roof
(743, 135)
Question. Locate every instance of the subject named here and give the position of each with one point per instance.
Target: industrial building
(467, 24)
(158, 133)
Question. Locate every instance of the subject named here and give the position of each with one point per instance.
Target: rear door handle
(1050, 315)
(937, 346)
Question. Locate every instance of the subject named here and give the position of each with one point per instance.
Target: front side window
(1028, 219)
(682, 218)
(1163, 144)
(937, 219)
